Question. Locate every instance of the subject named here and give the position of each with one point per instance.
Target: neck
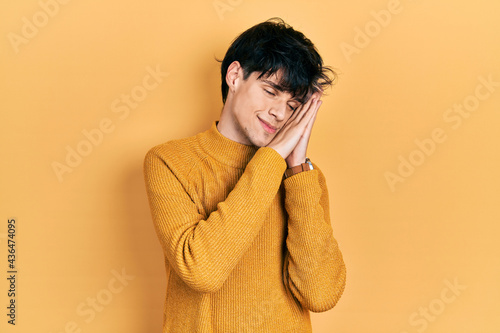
(224, 149)
(228, 127)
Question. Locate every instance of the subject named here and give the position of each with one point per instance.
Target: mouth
(268, 127)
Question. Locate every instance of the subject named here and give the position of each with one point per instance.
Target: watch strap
(299, 168)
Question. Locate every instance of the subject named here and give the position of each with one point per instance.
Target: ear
(234, 75)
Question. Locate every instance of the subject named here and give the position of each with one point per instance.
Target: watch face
(308, 161)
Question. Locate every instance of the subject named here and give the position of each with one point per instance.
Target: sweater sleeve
(203, 252)
(314, 270)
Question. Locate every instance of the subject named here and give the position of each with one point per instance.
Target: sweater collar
(224, 150)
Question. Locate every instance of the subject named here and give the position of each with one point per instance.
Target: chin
(258, 137)
(258, 143)
(261, 142)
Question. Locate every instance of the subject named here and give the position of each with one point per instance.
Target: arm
(203, 252)
(314, 270)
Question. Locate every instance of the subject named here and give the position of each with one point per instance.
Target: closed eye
(270, 93)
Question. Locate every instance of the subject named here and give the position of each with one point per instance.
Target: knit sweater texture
(245, 250)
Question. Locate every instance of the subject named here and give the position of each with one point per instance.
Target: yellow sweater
(245, 250)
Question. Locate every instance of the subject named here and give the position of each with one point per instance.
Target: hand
(292, 139)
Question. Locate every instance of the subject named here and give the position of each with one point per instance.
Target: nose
(278, 110)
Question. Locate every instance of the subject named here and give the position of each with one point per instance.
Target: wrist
(306, 166)
(278, 150)
(294, 161)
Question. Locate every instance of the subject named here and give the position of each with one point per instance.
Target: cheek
(249, 104)
(250, 109)
(257, 101)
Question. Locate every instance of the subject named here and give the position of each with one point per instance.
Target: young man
(242, 215)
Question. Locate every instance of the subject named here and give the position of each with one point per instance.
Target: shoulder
(180, 155)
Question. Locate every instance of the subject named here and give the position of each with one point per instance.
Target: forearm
(314, 267)
(204, 250)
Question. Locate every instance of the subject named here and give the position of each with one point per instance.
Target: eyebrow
(274, 85)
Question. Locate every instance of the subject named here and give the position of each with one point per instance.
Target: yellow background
(403, 245)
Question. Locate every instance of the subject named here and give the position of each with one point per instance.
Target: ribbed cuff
(270, 159)
(303, 185)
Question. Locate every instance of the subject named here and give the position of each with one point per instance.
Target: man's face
(259, 109)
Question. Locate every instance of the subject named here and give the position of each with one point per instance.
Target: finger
(317, 94)
(313, 118)
(306, 107)
(315, 97)
(313, 109)
(297, 112)
(308, 129)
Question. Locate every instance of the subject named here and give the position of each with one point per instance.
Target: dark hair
(273, 46)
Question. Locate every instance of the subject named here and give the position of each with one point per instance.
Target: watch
(299, 168)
